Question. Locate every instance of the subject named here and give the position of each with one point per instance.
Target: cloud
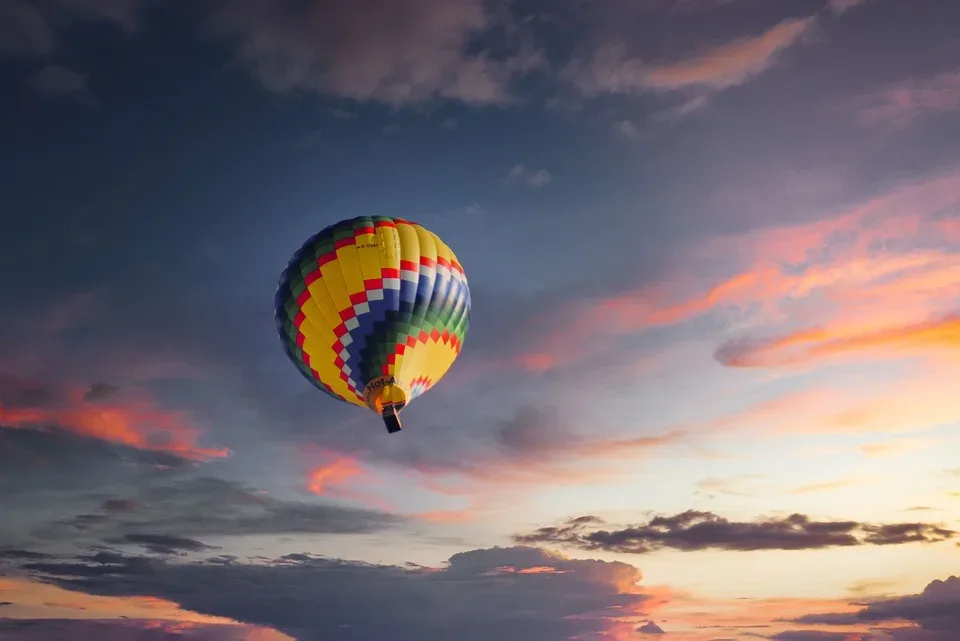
(534, 178)
(626, 129)
(100, 391)
(497, 593)
(730, 486)
(66, 489)
(693, 530)
(826, 486)
(58, 460)
(889, 449)
(135, 421)
(842, 6)
(163, 543)
(936, 611)
(125, 630)
(22, 555)
(206, 506)
(650, 628)
(339, 476)
(811, 635)
(905, 102)
(59, 81)
(529, 448)
(29, 28)
(340, 469)
(399, 53)
(611, 70)
(24, 29)
(532, 448)
(878, 278)
(810, 344)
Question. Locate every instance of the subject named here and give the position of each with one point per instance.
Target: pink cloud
(875, 276)
(912, 99)
(911, 404)
(842, 6)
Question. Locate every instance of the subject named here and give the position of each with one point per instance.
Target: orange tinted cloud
(338, 476)
(942, 335)
(693, 618)
(730, 64)
(870, 276)
(136, 422)
(727, 65)
(826, 486)
(321, 479)
(889, 449)
(43, 600)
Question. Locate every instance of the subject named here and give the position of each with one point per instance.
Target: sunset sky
(710, 386)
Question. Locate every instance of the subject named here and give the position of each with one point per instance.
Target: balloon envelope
(373, 311)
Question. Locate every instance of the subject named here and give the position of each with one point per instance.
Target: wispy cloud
(60, 81)
(626, 129)
(912, 99)
(897, 447)
(25, 30)
(842, 6)
(826, 486)
(535, 178)
(612, 70)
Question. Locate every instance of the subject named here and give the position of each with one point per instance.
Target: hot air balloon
(373, 311)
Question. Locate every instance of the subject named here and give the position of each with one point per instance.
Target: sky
(708, 389)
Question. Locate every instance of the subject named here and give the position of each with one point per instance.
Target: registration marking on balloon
(369, 298)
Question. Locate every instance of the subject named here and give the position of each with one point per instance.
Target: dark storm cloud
(650, 628)
(114, 506)
(162, 543)
(55, 459)
(64, 489)
(116, 630)
(208, 506)
(13, 554)
(693, 530)
(480, 595)
(936, 611)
